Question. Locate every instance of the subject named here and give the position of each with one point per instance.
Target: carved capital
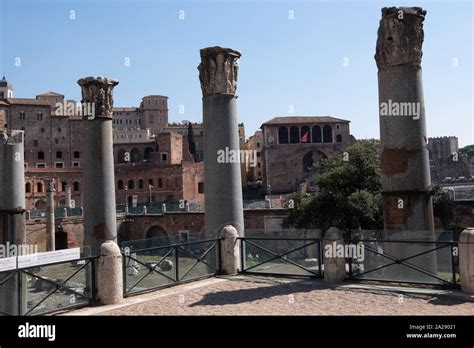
(98, 92)
(218, 70)
(51, 185)
(400, 36)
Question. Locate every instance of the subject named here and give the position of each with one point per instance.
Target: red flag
(304, 138)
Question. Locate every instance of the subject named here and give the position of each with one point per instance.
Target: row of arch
(135, 154)
(39, 187)
(305, 134)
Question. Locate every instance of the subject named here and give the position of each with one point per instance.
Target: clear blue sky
(284, 62)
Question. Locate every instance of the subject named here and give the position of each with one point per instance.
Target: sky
(298, 57)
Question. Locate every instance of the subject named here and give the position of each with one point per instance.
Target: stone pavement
(252, 295)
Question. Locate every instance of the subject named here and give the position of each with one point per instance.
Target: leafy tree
(349, 194)
(443, 208)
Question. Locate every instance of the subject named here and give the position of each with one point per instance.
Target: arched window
(140, 184)
(160, 183)
(75, 186)
(77, 154)
(28, 187)
(327, 134)
(282, 135)
(305, 134)
(39, 187)
(339, 138)
(40, 155)
(131, 184)
(135, 155)
(294, 135)
(121, 156)
(63, 186)
(146, 153)
(120, 185)
(316, 135)
(150, 182)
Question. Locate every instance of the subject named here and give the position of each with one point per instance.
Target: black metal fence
(157, 267)
(405, 261)
(282, 256)
(48, 288)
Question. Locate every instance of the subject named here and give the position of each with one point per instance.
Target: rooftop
(304, 119)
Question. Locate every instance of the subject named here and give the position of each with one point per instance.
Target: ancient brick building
(144, 154)
(255, 170)
(445, 161)
(293, 144)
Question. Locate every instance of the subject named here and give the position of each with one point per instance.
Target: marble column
(223, 186)
(99, 179)
(406, 182)
(50, 218)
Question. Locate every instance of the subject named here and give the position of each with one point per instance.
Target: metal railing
(405, 261)
(48, 288)
(157, 267)
(281, 256)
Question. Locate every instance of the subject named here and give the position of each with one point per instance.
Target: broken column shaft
(50, 218)
(99, 179)
(222, 189)
(406, 182)
(12, 214)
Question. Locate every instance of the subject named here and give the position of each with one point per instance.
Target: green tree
(349, 192)
(191, 142)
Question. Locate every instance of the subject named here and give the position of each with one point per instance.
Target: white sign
(7, 263)
(48, 257)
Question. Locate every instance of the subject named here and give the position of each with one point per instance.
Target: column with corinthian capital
(223, 189)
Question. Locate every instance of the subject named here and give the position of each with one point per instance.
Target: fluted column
(223, 189)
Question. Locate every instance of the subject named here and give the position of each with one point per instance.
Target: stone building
(293, 144)
(255, 143)
(445, 161)
(143, 153)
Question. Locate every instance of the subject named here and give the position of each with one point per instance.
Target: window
(140, 184)
(164, 157)
(184, 236)
(160, 183)
(77, 154)
(120, 185)
(39, 116)
(305, 136)
(76, 163)
(42, 130)
(151, 119)
(40, 155)
(40, 165)
(56, 141)
(316, 135)
(131, 184)
(22, 115)
(339, 138)
(75, 186)
(327, 134)
(59, 164)
(59, 129)
(150, 182)
(282, 135)
(39, 187)
(59, 154)
(200, 187)
(28, 187)
(338, 126)
(294, 135)
(63, 186)
(258, 144)
(35, 142)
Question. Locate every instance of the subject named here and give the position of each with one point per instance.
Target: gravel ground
(272, 297)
